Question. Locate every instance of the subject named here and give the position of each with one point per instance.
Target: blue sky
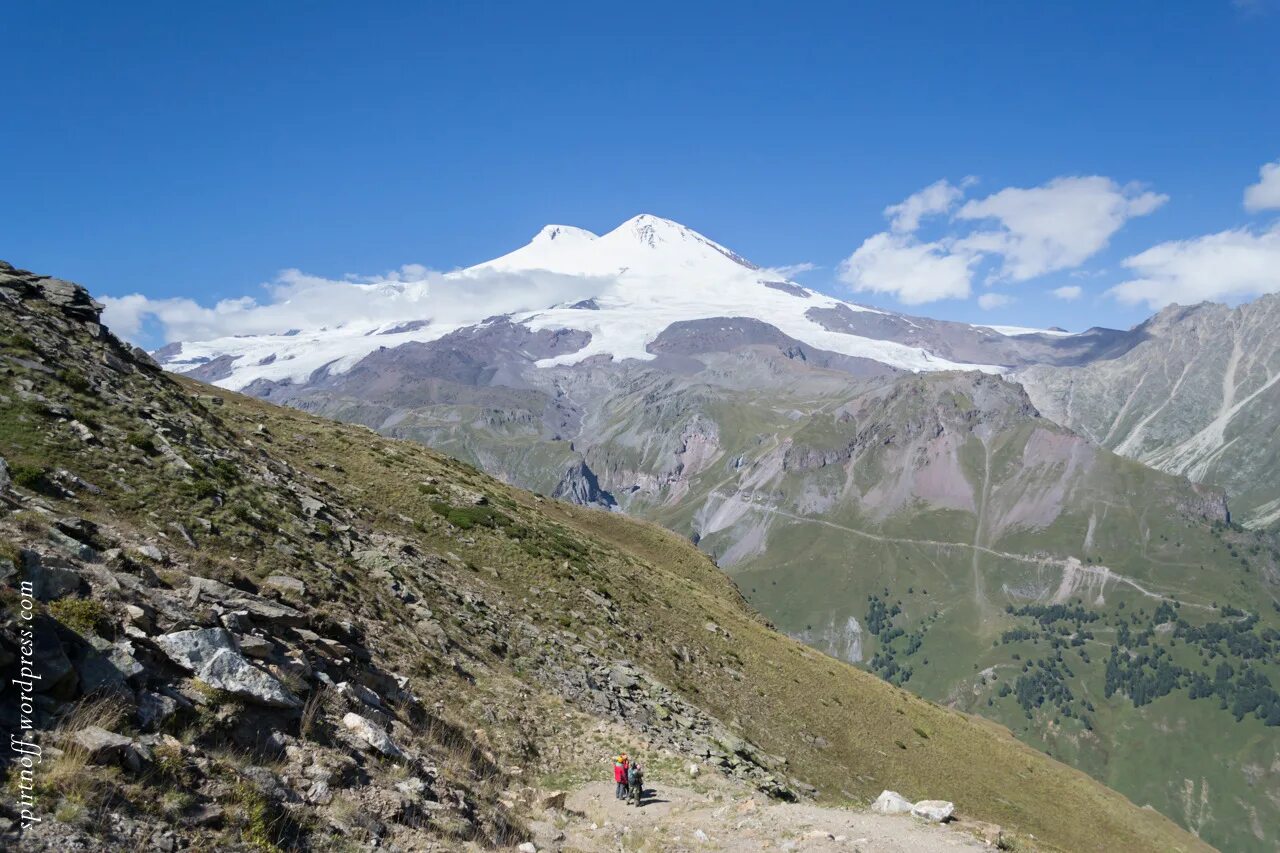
(194, 150)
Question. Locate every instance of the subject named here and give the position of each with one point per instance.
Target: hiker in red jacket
(620, 766)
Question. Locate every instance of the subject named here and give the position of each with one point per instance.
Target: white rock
(360, 693)
(701, 836)
(934, 810)
(891, 802)
(211, 654)
(151, 552)
(528, 847)
(102, 746)
(285, 583)
(372, 735)
(694, 769)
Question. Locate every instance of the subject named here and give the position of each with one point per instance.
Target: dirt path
(1057, 562)
(722, 817)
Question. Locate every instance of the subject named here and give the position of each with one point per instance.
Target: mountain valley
(996, 519)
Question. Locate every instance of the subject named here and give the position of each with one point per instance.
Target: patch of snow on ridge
(295, 357)
(1017, 331)
(624, 327)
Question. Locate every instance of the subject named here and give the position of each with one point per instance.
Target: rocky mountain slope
(833, 460)
(833, 491)
(1199, 396)
(248, 628)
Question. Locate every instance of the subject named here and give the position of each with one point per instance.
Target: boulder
(104, 667)
(891, 802)
(230, 671)
(527, 847)
(255, 646)
(359, 693)
(194, 648)
(367, 731)
(933, 810)
(5, 481)
(412, 787)
(260, 609)
(54, 672)
(79, 529)
(102, 746)
(285, 584)
(311, 506)
(553, 800)
(151, 552)
(154, 709)
(205, 816)
(623, 676)
(52, 577)
(211, 654)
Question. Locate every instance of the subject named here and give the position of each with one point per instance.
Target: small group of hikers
(629, 777)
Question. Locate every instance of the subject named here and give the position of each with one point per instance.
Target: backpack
(634, 776)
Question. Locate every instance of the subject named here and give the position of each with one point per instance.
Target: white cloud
(1235, 264)
(1069, 292)
(988, 301)
(296, 300)
(938, 197)
(791, 270)
(914, 272)
(1055, 226)
(1265, 194)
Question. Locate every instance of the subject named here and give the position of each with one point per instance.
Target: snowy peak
(627, 287)
(563, 233)
(658, 234)
(645, 246)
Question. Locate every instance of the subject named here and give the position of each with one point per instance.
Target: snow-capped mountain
(639, 279)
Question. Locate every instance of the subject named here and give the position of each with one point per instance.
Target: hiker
(635, 783)
(620, 766)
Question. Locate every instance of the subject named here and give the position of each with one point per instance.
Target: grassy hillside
(495, 624)
(1080, 598)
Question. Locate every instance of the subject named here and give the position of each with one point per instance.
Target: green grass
(85, 616)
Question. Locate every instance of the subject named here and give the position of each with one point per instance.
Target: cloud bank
(1229, 265)
(297, 300)
(989, 301)
(1057, 226)
(1024, 232)
(912, 271)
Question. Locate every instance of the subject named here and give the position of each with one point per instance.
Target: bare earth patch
(724, 816)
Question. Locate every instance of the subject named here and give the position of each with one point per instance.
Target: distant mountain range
(948, 505)
(1173, 392)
